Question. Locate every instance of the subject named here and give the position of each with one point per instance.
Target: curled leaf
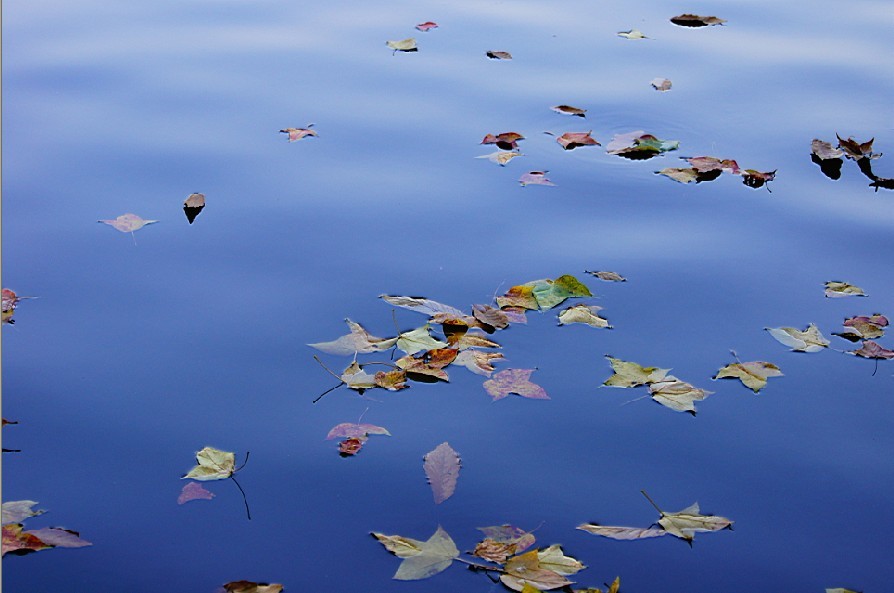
(836, 289)
(213, 464)
(583, 314)
(632, 34)
(631, 374)
(499, 55)
(808, 340)
(752, 374)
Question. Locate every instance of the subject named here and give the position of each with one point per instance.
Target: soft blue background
(135, 357)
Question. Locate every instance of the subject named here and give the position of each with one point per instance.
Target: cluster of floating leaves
(829, 159)
(18, 540)
(709, 168)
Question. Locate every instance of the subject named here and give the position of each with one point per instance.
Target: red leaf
(427, 26)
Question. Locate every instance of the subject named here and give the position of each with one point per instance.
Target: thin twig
(649, 498)
(244, 499)
(327, 368)
(319, 397)
(247, 453)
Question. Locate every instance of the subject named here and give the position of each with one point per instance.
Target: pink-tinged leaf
(59, 537)
(296, 134)
(350, 446)
(442, 469)
(535, 178)
(706, 164)
(514, 381)
(855, 150)
(427, 26)
(695, 20)
(622, 533)
(194, 491)
(128, 223)
(504, 140)
(352, 430)
(21, 542)
(511, 535)
(499, 55)
(661, 84)
(872, 349)
(754, 178)
(572, 140)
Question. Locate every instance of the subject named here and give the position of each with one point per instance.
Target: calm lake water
(134, 357)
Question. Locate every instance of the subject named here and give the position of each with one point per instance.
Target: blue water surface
(140, 351)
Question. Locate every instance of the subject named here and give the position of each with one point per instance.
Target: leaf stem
(328, 370)
(247, 453)
(649, 498)
(244, 499)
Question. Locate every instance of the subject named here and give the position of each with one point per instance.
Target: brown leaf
(856, 150)
(193, 205)
(509, 534)
(441, 466)
(478, 362)
(494, 551)
(490, 316)
(569, 110)
(20, 542)
(526, 569)
(251, 587)
(514, 381)
(499, 55)
(706, 164)
(350, 446)
(296, 134)
(824, 150)
(572, 140)
(872, 349)
(862, 327)
(756, 179)
(391, 380)
(504, 140)
(694, 20)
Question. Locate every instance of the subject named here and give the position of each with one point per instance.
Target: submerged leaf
(535, 178)
(194, 491)
(509, 534)
(836, 289)
(752, 374)
(355, 430)
(569, 110)
(809, 340)
(514, 381)
(631, 374)
(434, 555)
(441, 467)
(213, 464)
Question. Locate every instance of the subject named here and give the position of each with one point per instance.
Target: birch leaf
(18, 510)
(677, 395)
(621, 533)
(435, 555)
(835, 289)
(213, 464)
(631, 374)
(569, 110)
(418, 340)
(359, 341)
(501, 157)
(514, 381)
(752, 374)
(408, 44)
(441, 467)
(809, 340)
(684, 524)
(583, 314)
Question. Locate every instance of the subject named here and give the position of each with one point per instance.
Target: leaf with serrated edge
(621, 533)
(752, 374)
(808, 340)
(442, 470)
(631, 374)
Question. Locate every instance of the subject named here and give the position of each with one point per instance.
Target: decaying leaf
(391, 380)
(252, 587)
(193, 205)
(661, 84)
(752, 374)
(509, 534)
(420, 559)
(631, 374)
(569, 110)
(504, 140)
(421, 305)
(841, 590)
(824, 150)
(514, 381)
(427, 26)
(18, 541)
(639, 145)
(535, 178)
(359, 341)
(10, 301)
(296, 134)
(213, 464)
(356, 378)
(519, 296)
(686, 523)
(477, 362)
(607, 276)
(194, 491)
(835, 289)
(350, 446)
(553, 558)
(128, 223)
(694, 20)
(408, 44)
(862, 327)
(544, 294)
(430, 364)
(681, 174)
(583, 314)
(499, 55)
(494, 551)
(755, 179)
(872, 349)
(708, 164)
(857, 150)
(490, 316)
(632, 34)
(501, 157)
(809, 340)
(622, 533)
(355, 430)
(418, 340)
(525, 569)
(572, 140)
(677, 395)
(442, 470)
(17, 511)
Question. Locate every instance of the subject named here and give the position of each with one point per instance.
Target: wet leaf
(470, 340)
(835, 289)
(391, 380)
(661, 84)
(252, 587)
(572, 140)
(856, 150)
(501, 157)
(17, 511)
(872, 349)
(59, 537)
(583, 314)
(694, 20)
(441, 467)
(526, 569)
(435, 555)
(808, 340)
(862, 327)
(755, 179)
(631, 374)
(477, 362)
(708, 164)
(193, 205)
(16, 540)
(296, 134)
(504, 140)
(359, 341)
(840, 590)
(509, 534)
(569, 110)
(427, 26)
(686, 523)
(418, 340)
(552, 293)
(677, 395)
(535, 178)
(519, 296)
(10, 301)
(632, 34)
(494, 551)
(825, 150)
(350, 446)
(128, 223)
(490, 316)
(421, 305)
(622, 533)
(752, 374)
(431, 364)
(553, 558)
(683, 175)
(639, 145)
(356, 378)
(355, 430)
(499, 55)
(514, 381)
(608, 276)
(194, 491)
(408, 44)
(213, 464)
(402, 547)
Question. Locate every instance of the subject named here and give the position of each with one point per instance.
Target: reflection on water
(135, 357)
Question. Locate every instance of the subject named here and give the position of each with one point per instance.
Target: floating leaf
(809, 340)
(583, 314)
(10, 300)
(408, 44)
(501, 157)
(569, 110)
(835, 289)
(752, 374)
(694, 20)
(418, 340)
(252, 587)
(431, 364)
(194, 491)
(514, 381)
(683, 175)
(193, 205)
(872, 349)
(856, 150)
(434, 555)
(862, 327)
(551, 293)
(490, 316)
(442, 470)
(755, 179)
(677, 395)
(622, 533)
(504, 140)
(824, 150)
(639, 145)
(494, 551)
(840, 590)
(128, 223)
(14, 539)
(519, 296)
(391, 380)
(59, 537)
(553, 558)
(535, 178)
(608, 276)
(686, 523)
(296, 134)
(661, 84)
(525, 569)
(478, 362)
(213, 464)
(359, 341)
(499, 55)
(356, 378)
(572, 140)
(632, 34)
(509, 534)
(18, 510)
(631, 374)
(427, 26)
(350, 446)
(708, 164)
(421, 305)
(351, 430)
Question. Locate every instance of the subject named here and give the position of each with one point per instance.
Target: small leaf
(632, 34)
(583, 314)
(622, 533)
(677, 395)
(835, 289)
(861, 327)
(694, 20)
(572, 140)
(708, 164)
(554, 559)
(569, 110)
(608, 276)
(526, 569)
(509, 534)
(427, 26)
(514, 381)
(407, 45)
(504, 140)
(359, 341)
(296, 134)
(824, 150)
(351, 430)
(856, 150)
(809, 340)
(213, 464)
(418, 340)
(128, 223)
(661, 84)
(441, 467)
(193, 205)
(499, 55)
(755, 179)
(402, 547)
(752, 374)
(684, 524)
(535, 178)
(872, 349)
(16, 540)
(252, 587)
(631, 374)
(434, 555)
(478, 362)
(59, 537)
(501, 157)
(350, 446)
(421, 305)
(193, 491)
